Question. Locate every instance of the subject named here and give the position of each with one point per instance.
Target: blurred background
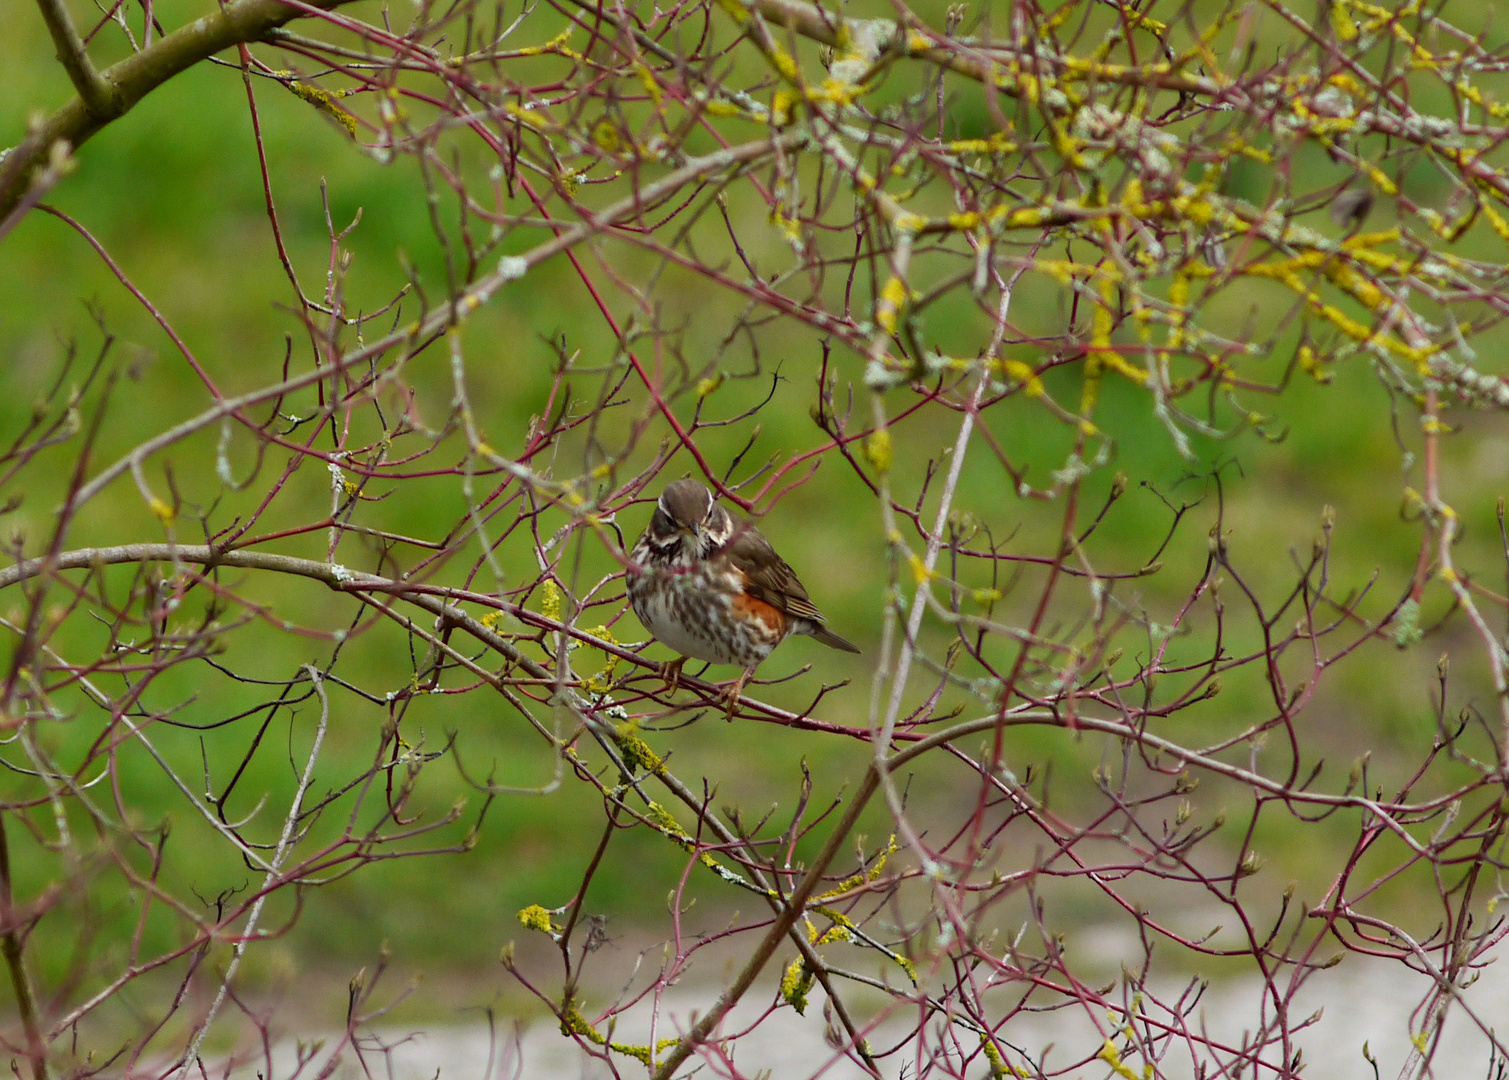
(174, 194)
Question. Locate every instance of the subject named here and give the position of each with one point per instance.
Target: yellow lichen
(605, 135)
(998, 1066)
(529, 118)
(906, 222)
(833, 90)
(780, 107)
(647, 78)
(574, 1023)
(535, 917)
(1025, 217)
(1021, 372)
(892, 295)
(795, 983)
(324, 100)
(1109, 1055)
(642, 1052)
(841, 930)
(663, 820)
(636, 752)
(869, 875)
(783, 63)
(550, 602)
(599, 683)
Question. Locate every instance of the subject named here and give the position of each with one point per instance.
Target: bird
(711, 587)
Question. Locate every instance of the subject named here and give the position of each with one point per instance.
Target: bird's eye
(661, 522)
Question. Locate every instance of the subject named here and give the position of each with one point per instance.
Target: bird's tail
(829, 638)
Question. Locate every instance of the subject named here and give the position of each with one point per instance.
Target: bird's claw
(670, 671)
(734, 690)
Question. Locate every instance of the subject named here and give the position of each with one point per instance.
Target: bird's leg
(670, 671)
(735, 689)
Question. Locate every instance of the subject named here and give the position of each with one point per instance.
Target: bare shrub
(1012, 261)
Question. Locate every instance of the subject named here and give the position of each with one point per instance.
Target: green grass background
(173, 192)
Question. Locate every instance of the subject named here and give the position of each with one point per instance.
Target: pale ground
(1363, 1001)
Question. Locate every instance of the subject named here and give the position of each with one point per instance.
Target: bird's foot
(670, 671)
(736, 688)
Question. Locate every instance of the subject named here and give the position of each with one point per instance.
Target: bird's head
(687, 523)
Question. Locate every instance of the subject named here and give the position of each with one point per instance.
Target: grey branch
(113, 92)
(95, 91)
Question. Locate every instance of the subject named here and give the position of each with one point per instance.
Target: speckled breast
(704, 615)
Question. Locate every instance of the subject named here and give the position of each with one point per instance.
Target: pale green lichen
(1406, 629)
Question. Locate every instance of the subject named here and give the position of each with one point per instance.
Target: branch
(796, 906)
(439, 601)
(449, 314)
(10, 947)
(274, 867)
(96, 92)
(110, 94)
(333, 575)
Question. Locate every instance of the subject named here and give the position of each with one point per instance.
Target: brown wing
(766, 575)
